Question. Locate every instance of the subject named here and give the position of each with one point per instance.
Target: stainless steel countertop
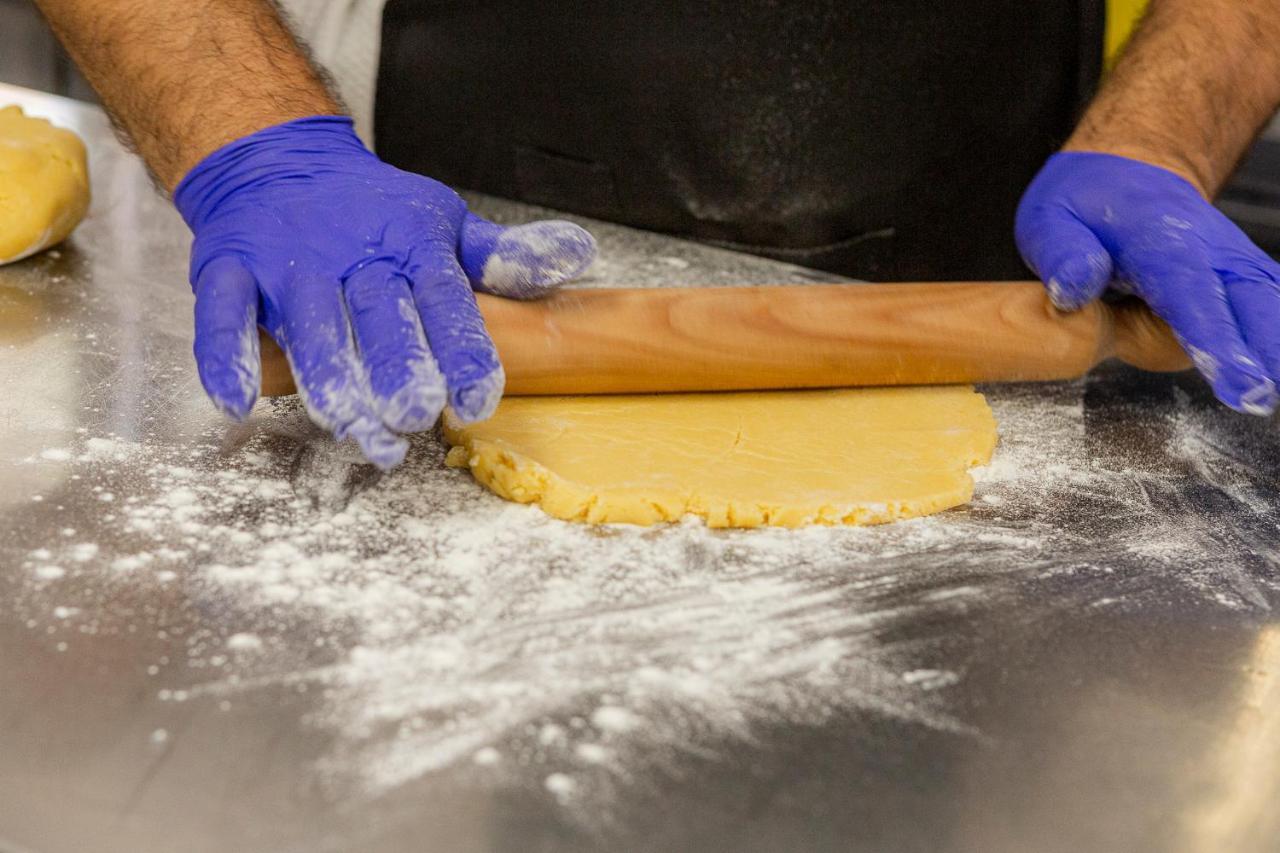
(238, 638)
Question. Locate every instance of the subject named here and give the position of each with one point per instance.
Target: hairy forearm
(184, 78)
(1198, 81)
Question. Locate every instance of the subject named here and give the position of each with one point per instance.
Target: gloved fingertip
(414, 407)
(1250, 389)
(236, 407)
(1262, 400)
(379, 445)
(1238, 381)
(226, 336)
(1078, 280)
(528, 261)
(478, 400)
(233, 386)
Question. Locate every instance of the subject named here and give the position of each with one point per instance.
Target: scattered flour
(440, 627)
(487, 757)
(614, 720)
(561, 785)
(244, 642)
(930, 679)
(84, 552)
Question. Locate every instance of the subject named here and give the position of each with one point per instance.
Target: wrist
(1191, 91)
(1198, 174)
(224, 127)
(1106, 170)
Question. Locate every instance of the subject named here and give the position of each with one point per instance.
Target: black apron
(882, 140)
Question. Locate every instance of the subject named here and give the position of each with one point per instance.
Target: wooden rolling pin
(816, 336)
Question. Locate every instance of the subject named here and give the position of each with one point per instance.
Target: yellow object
(786, 458)
(44, 184)
(1122, 17)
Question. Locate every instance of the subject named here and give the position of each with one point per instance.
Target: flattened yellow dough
(787, 458)
(44, 184)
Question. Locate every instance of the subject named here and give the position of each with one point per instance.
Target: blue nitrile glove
(1089, 221)
(362, 273)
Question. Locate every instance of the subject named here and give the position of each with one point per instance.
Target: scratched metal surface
(1106, 692)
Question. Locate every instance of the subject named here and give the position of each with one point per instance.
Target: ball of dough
(44, 184)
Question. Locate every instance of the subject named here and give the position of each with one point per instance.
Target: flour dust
(447, 630)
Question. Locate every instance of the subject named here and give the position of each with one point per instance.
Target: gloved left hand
(362, 273)
(1090, 221)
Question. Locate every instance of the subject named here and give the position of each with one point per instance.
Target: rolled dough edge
(517, 478)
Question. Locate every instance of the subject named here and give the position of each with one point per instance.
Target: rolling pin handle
(1145, 341)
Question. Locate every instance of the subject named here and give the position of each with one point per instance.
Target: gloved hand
(1089, 221)
(362, 273)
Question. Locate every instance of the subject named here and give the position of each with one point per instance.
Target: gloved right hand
(1090, 221)
(362, 273)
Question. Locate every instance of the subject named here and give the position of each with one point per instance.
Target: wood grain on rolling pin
(740, 338)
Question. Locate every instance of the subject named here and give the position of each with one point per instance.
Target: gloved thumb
(1064, 253)
(524, 261)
